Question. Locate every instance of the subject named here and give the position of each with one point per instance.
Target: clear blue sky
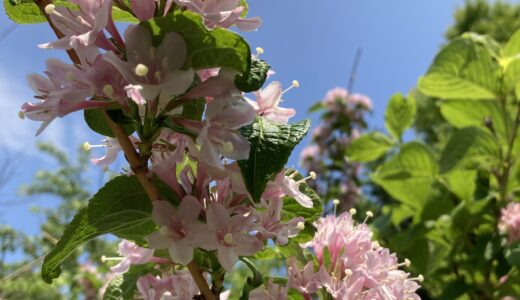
(312, 41)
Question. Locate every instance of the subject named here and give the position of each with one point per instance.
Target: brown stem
(139, 166)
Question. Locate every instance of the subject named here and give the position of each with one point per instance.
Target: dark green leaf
(271, 146)
(95, 120)
(206, 48)
(194, 109)
(121, 207)
(512, 254)
(255, 78)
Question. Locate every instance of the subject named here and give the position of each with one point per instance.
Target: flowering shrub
(207, 185)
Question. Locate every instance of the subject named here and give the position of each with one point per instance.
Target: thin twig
(353, 72)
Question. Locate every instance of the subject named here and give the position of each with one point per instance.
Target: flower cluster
(343, 119)
(350, 265)
(510, 222)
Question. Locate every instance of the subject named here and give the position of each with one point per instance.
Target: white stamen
(141, 70)
(335, 202)
(227, 147)
(49, 8)
(108, 89)
(295, 84)
(369, 215)
(300, 225)
(407, 262)
(259, 51)
(228, 238)
(105, 259)
(419, 278)
(21, 115)
(313, 175)
(352, 211)
(348, 272)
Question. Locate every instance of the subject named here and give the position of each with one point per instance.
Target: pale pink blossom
(269, 291)
(221, 13)
(112, 149)
(510, 222)
(361, 100)
(107, 82)
(133, 255)
(229, 235)
(156, 70)
(143, 9)
(267, 104)
(177, 228)
(284, 185)
(64, 90)
(219, 135)
(269, 222)
(336, 95)
(305, 280)
(178, 286)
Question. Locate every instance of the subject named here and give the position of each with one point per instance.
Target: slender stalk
(139, 165)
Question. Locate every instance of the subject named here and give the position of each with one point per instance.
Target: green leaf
(123, 287)
(369, 147)
(470, 147)
(466, 113)
(316, 107)
(27, 12)
(121, 207)
(271, 146)
(512, 254)
(464, 69)
(409, 175)
(399, 115)
(461, 182)
(206, 48)
(95, 120)
(255, 78)
(512, 47)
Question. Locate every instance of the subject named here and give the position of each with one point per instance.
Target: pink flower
(83, 28)
(107, 82)
(156, 70)
(177, 228)
(267, 101)
(63, 91)
(336, 95)
(269, 291)
(133, 255)
(219, 134)
(112, 147)
(284, 185)
(304, 281)
(229, 235)
(143, 9)
(178, 286)
(361, 100)
(270, 226)
(510, 222)
(221, 13)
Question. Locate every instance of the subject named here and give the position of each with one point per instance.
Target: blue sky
(313, 42)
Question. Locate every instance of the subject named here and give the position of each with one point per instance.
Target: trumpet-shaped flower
(221, 13)
(144, 9)
(229, 235)
(267, 101)
(157, 71)
(284, 185)
(177, 228)
(133, 255)
(510, 222)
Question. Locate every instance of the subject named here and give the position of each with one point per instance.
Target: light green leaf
(271, 146)
(467, 113)
(369, 147)
(461, 183)
(464, 69)
(470, 147)
(206, 48)
(121, 207)
(27, 12)
(512, 47)
(399, 115)
(409, 175)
